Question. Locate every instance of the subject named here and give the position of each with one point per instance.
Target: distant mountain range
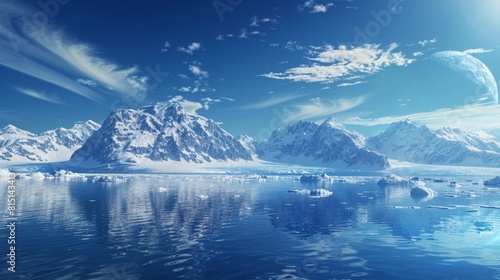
(20, 146)
(165, 132)
(407, 142)
(330, 144)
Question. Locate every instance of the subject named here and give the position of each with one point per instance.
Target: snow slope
(20, 146)
(163, 132)
(330, 144)
(407, 142)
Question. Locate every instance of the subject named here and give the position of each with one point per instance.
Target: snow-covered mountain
(20, 146)
(330, 144)
(405, 141)
(163, 132)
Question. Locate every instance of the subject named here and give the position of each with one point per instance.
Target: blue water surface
(238, 227)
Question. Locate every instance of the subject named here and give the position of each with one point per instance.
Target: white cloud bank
(332, 64)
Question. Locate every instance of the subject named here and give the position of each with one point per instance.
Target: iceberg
(421, 192)
(392, 180)
(310, 179)
(492, 182)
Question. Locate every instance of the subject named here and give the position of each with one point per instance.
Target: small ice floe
(160, 189)
(37, 176)
(392, 180)
(440, 181)
(315, 178)
(489, 207)
(439, 207)
(22, 176)
(320, 193)
(421, 192)
(68, 175)
(495, 182)
(404, 207)
(454, 184)
(313, 193)
(104, 179)
(302, 191)
(310, 179)
(203, 196)
(4, 172)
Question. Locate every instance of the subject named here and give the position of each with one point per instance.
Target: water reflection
(230, 227)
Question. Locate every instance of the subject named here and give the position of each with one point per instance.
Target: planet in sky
(475, 70)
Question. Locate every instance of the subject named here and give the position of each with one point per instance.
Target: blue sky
(253, 66)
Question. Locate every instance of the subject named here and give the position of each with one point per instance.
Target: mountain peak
(331, 122)
(11, 129)
(330, 144)
(159, 133)
(90, 124)
(406, 124)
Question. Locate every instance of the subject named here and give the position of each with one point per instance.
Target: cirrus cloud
(48, 54)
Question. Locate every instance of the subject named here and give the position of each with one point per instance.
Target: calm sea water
(230, 227)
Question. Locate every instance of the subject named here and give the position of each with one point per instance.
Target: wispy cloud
(49, 55)
(194, 46)
(320, 108)
(228, 99)
(332, 64)
(87, 82)
(470, 117)
(243, 34)
(314, 8)
(198, 86)
(41, 95)
(293, 46)
(191, 107)
(254, 21)
(196, 70)
(207, 101)
(351, 84)
(166, 47)
(476, 51)
(272, 102)
(424, 43)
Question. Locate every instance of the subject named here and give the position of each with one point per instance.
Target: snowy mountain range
(164, 132)
(405, 141)
(330, 144)
(20, 146)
